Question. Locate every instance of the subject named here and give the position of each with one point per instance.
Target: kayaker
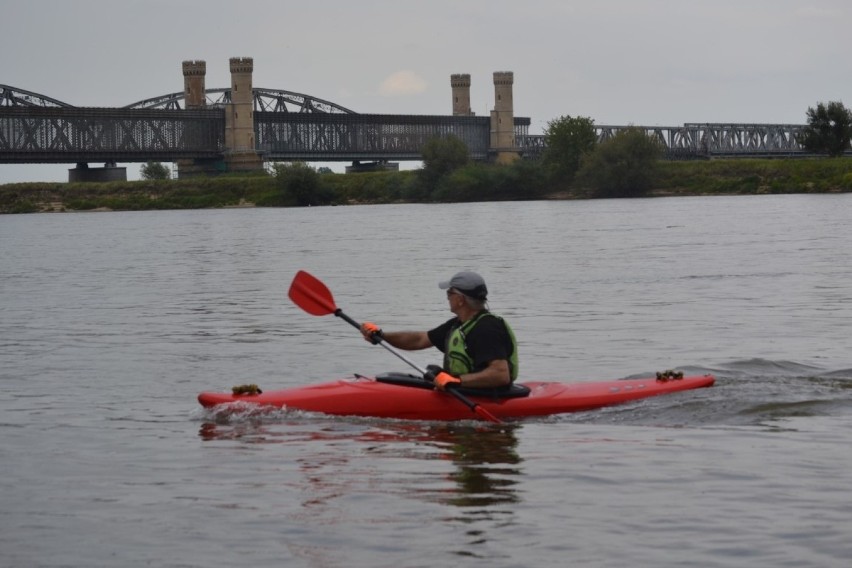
(479, 347)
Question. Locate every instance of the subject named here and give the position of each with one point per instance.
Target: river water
(111, 323)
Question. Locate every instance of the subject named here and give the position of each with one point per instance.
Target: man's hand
(444, 380)
(371, 332)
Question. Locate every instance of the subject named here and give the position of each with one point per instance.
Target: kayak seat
(409, 380)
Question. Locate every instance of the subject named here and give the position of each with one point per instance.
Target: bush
(155, 170)
(300, 184)
(524, 179)
(623, 166)
(488, 182)
(441, 156)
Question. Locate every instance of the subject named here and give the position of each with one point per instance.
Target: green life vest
(456, 358)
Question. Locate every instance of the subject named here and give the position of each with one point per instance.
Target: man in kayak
(479, 347)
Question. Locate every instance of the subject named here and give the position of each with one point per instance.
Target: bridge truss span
(78, 134)
(721, 139)
(264, 100)
(748, 139)
(705, 140)
(12, 96)
(318, 137)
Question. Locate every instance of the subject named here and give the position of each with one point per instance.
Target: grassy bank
(747, 176)
(715, 177)
(197, 193)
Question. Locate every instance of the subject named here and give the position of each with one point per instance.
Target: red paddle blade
(311, 295)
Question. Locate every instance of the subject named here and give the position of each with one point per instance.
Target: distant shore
(712, 177)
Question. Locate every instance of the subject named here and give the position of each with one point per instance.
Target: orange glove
(444, 380)
(371, 332)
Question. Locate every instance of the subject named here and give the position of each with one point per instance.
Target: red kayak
(412, 398)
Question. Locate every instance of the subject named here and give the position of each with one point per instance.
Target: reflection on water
(485, 462)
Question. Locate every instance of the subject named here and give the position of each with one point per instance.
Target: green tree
(300, 184)
(154, 170)
(442, 155)
(567, 139)
(829, 129)
(623, 166)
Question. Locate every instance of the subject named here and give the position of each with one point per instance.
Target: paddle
(310, 294)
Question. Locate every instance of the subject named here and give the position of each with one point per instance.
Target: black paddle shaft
(339, 313)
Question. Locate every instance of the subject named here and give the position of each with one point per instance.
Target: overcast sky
(643, 62)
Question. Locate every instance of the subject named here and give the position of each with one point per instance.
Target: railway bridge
(241, 127)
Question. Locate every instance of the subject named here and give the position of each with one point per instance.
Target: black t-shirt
(487, 341)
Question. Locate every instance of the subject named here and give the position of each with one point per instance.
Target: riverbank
(713, 177)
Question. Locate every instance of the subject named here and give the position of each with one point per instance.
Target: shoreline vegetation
(474, 182)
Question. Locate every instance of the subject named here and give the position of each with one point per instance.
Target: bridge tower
(240, 152)
(503, 119)
(193, 84)
(461, 94)
(194, 96)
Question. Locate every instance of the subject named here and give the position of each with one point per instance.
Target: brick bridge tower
(502, 143)
(194, 96)
(503, 119)
(461, 94)
(240, 153)
(193, 84)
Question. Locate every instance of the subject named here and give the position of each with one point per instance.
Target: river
(111, 323)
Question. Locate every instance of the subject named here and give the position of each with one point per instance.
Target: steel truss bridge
(288, 126)
(707, 140)
(293, 126)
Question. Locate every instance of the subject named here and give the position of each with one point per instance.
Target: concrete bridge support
(83, 173)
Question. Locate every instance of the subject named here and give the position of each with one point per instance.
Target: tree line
(625, 165)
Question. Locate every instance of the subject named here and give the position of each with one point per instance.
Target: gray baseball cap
(468, 283)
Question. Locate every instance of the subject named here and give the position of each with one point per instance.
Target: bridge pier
(376, 166)
(502, 147)
(83, 173)
(194, 96)
(240, 152)
(503, 120)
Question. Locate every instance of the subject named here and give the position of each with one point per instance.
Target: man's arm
(495, 375)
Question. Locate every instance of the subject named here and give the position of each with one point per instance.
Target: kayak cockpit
(414, 381)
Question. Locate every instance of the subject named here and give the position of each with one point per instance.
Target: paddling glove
(444, 380)
(372, 332)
